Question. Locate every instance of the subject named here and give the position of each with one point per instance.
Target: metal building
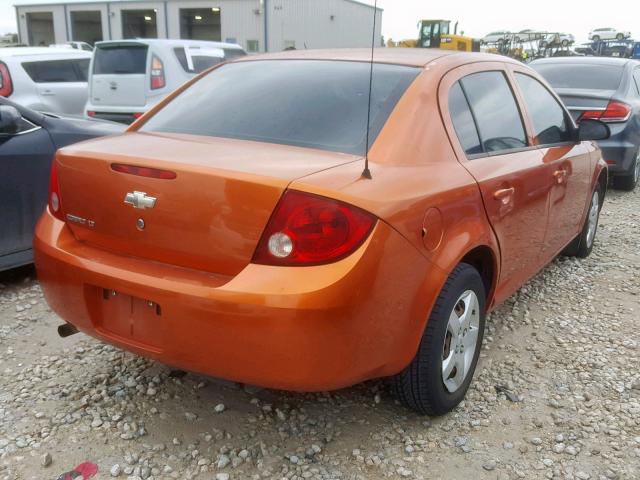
(254, 24)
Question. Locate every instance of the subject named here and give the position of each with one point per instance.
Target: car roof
(602, 61)
(171, 42)
(63, 52)
(414, 57)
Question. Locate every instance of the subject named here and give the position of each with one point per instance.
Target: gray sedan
(606, 89)
(28, 141)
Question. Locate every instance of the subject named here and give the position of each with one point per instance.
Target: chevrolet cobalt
(236, 230)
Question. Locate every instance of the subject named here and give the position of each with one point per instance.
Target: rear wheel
(620, 36)
(583, 244)
(596, 38)
(439, 376)
(565, 43)
(628, 182)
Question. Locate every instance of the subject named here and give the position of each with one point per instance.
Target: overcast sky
(479, 17)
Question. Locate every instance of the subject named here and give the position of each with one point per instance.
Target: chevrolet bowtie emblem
(139, 200)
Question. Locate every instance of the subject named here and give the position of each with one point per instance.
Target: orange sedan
(233, 230)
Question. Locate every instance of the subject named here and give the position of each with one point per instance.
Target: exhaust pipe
(66, 330)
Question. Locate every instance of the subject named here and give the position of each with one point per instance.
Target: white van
(45, 79)
(128, 77)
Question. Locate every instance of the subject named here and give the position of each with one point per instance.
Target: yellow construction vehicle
(437, 34)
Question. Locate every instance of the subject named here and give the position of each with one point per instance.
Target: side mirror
(593, 130)
(9, 120)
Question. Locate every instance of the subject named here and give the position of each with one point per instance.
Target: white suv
(45, 79)
(608, 34)
(128, 77)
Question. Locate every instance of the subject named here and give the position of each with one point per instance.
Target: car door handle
(560, 175)
(504, 194)
(49, 93)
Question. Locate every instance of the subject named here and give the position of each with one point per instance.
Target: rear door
(25, 160)
(61, 84)
(119, 74)
(568, 162)
(489, 134)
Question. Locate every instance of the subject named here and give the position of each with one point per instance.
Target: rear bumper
(621, 148)
(304, 329)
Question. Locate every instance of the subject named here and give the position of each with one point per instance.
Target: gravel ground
(564, 353)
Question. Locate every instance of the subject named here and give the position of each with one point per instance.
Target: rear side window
(57, 71)
(549, 118)
(231, 53)
(306, 103)
(199, 63)
(495, 111)
(463, 121)
(580, 75)
(129, 59)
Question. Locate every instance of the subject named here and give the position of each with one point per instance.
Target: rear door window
(57, 71)
(120, 59)
(463, 121)
(549, 118)
(495, 111)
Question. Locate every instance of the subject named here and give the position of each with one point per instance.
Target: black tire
(420, 386)
(565, 43)
(629, 181)
(620, 36)
(596, 38)
(582, 245)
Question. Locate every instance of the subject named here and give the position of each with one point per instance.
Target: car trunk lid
(119, 74)
(210, 217)
(581, 100)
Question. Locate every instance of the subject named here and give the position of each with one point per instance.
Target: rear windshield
(120, 59)
(307, 103)
(581, 75)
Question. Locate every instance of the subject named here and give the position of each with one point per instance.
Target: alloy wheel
(594, 212)
(460, 341)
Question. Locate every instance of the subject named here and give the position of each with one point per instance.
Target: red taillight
(137, 115)
(91, 113)
(55, 200)
(308, 229)
(6, 85)
(157, 73)
(615, 112)
(144, 171)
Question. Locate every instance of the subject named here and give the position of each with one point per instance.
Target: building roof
(415, 57)
(24, 3)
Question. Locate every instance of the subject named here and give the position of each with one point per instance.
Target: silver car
(128, 77)
(45, 79)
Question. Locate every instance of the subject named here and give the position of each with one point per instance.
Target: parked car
(528, 35)
(128, 77)
(557, 40)
(45, 79)
(606, 89)
(253, 216)
(608, 34)
(495, 37)
(28, 141)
